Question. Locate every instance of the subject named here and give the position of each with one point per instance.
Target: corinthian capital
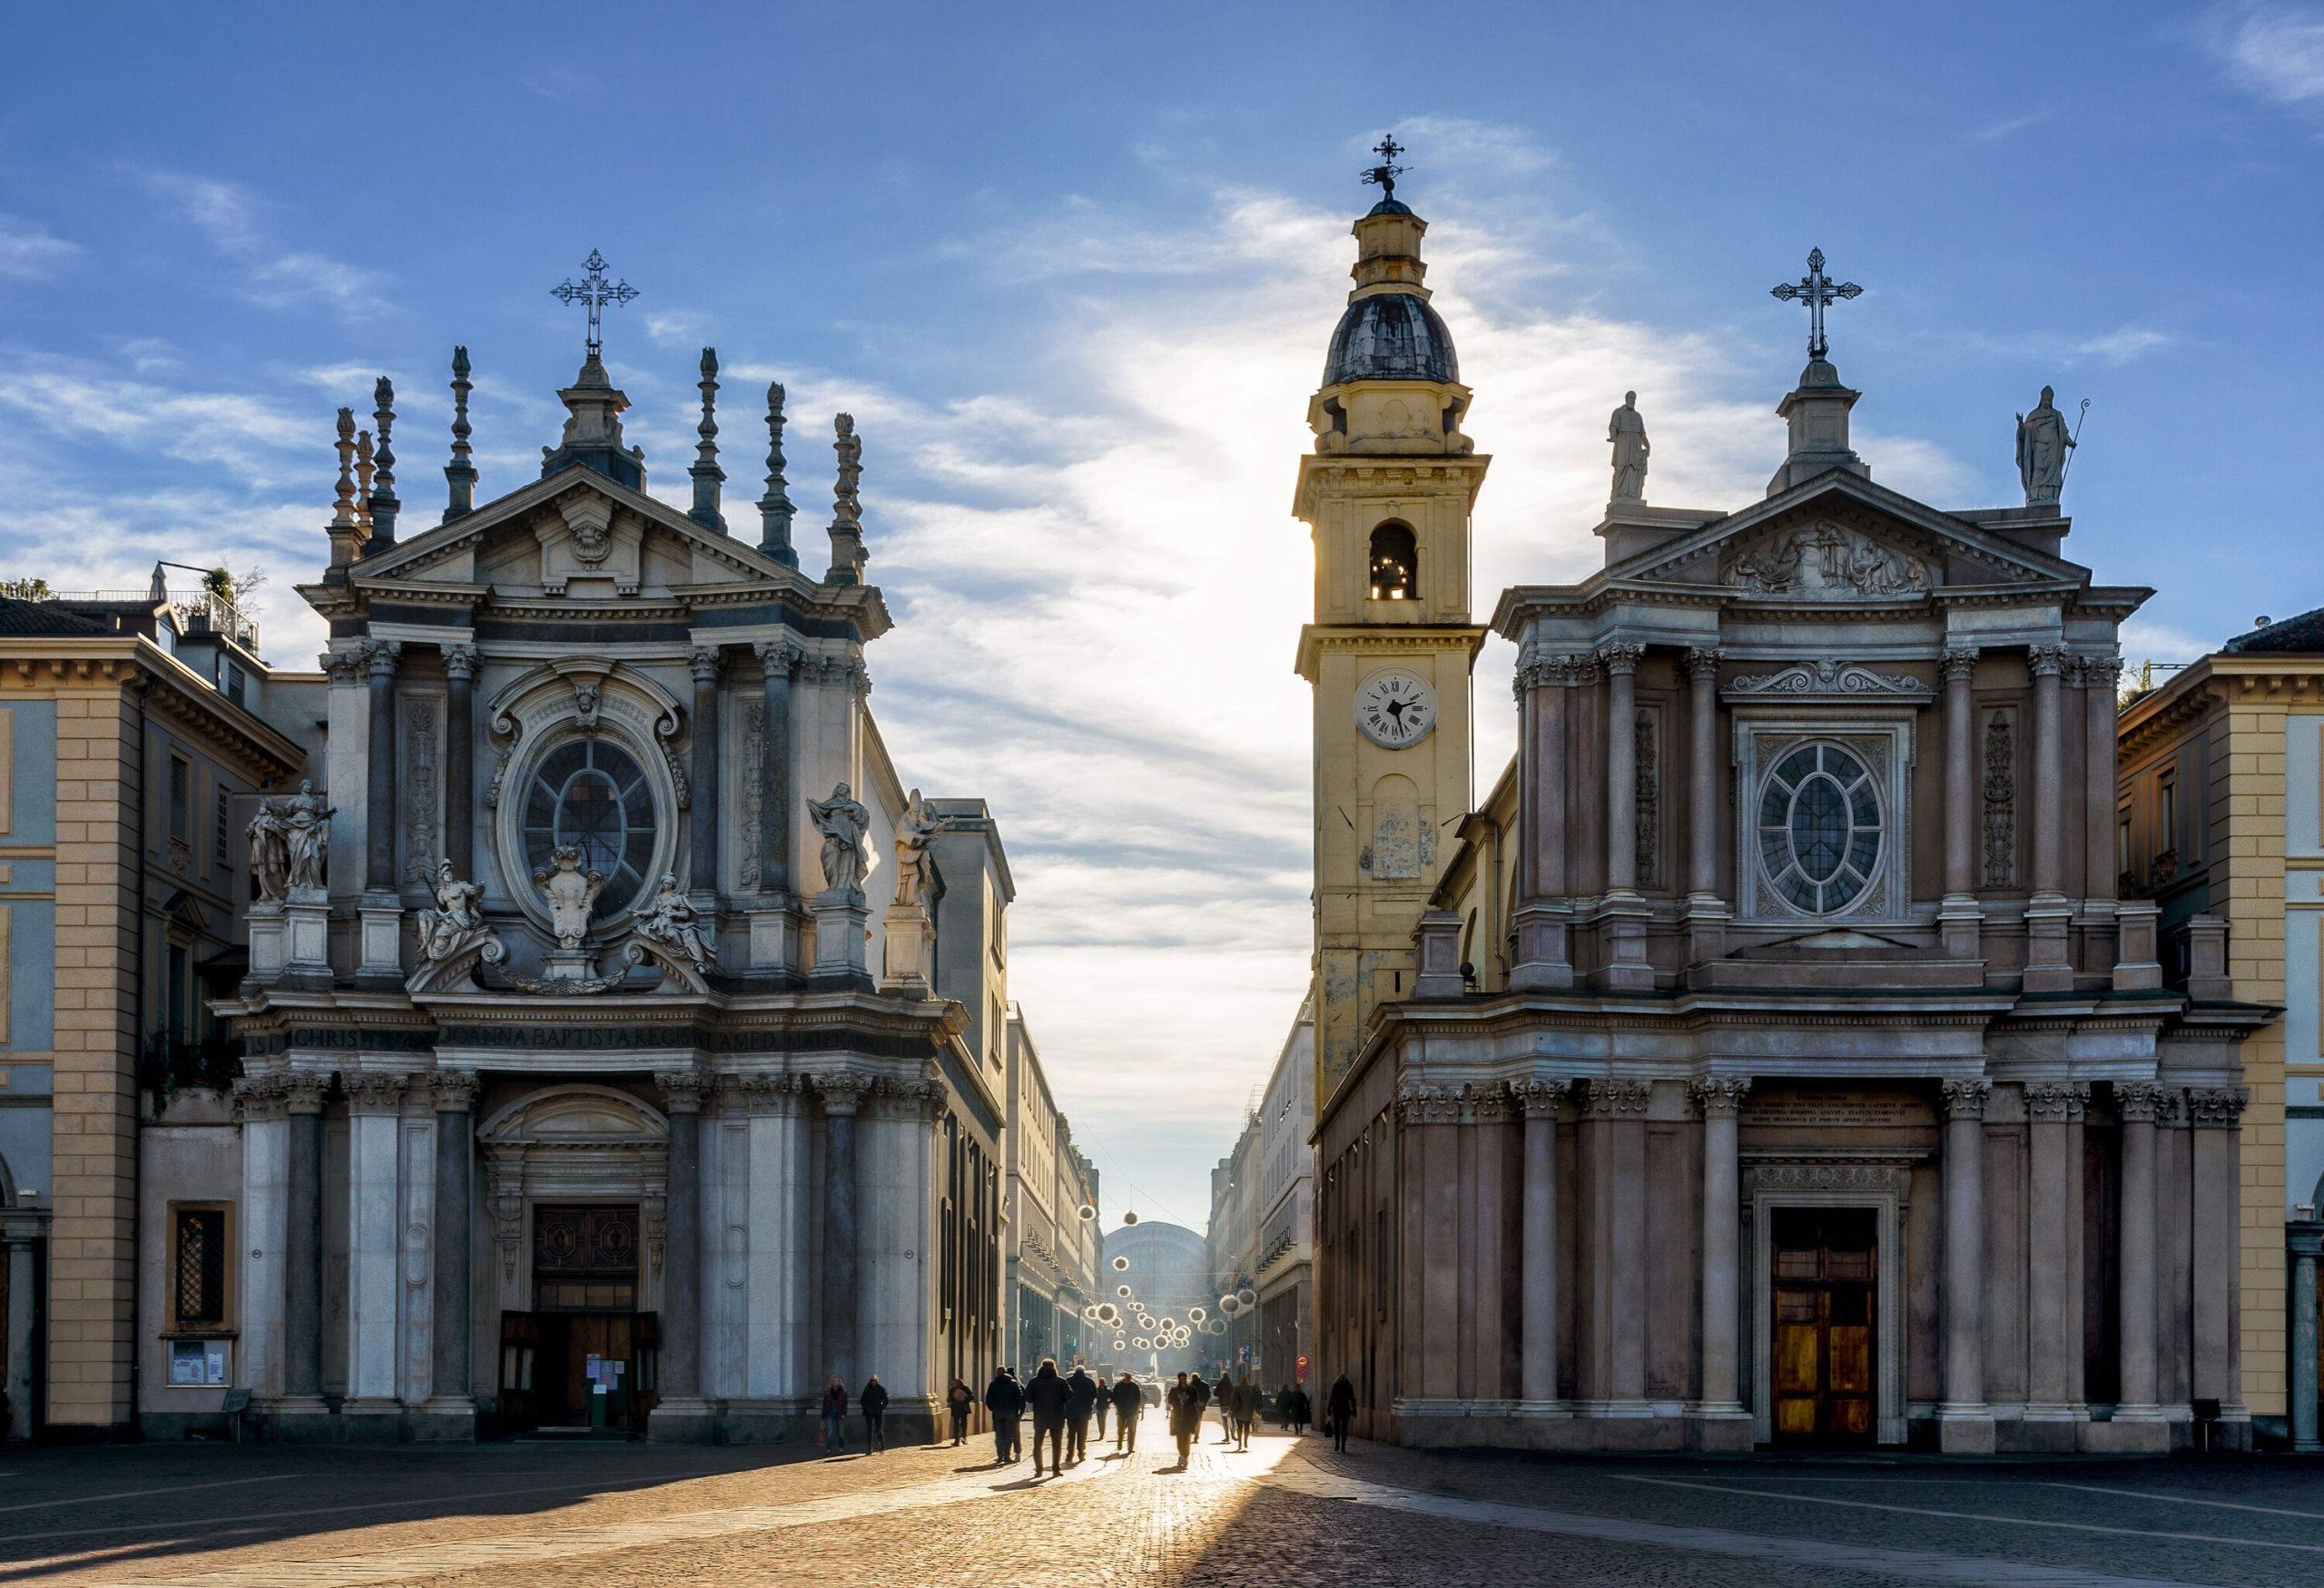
(2216, 1108)
(2047, 661)
(1539, 1098)
(2139, 1102)
(1621, 658)
(1966, 1099)
(1959, 664)
(460, 663)
(1702, 662)
(1720, 1096)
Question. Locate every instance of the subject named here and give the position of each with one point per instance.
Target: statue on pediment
(571, 893)
(1627, 430)
(458, 917)
(270, 854)
(2043, 442)
(842, 822)
(673, 922)
(290, 844)
(915, 870)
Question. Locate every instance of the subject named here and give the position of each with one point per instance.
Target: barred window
(199, 1247)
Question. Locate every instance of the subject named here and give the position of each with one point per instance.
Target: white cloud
(227, 215)
(2273, 50)
(224, 213)
(29, 251)
(298, 278)
(2123, 344)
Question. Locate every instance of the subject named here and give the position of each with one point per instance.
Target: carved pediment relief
(1823, 561)
(584, 536)
(1828, 681)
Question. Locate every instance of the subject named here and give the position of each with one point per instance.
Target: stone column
(702, 840)
(1621, 766)
(459, 758)
(1720, 1099)
(1537, 1374)
(1964, 1422)
(2048, 967)
(24, 1339)
(2138, 1101)
(302, 1247)
(2054, 1279)
(2305, 1238)
(2216, 1113)
(455, 1318)
(843, 1094)
(777, 660)
(2100, 676)
(1706, 913)
(380, 791)
(681, 1094)
(1959, 916)
(1544, 958)
(374, 1205)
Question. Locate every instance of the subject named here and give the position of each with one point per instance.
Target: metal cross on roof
(1817, 289)
(596, 293)
(1386, 172)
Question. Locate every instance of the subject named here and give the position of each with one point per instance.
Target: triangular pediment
(577, 525)
(1841, 537)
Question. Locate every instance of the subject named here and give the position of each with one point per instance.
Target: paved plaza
(1286, 1511)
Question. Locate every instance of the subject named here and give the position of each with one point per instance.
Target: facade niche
(1394, 563)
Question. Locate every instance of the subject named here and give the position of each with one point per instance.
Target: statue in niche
(1626, 431)
(458, 917)
(270, 852)
(842, 823)
(914, 869)
(673, 922)
(571, 893)
(2043, 442)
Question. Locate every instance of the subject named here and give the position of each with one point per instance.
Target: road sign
(1300, 1368)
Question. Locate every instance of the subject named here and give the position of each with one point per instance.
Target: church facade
(621, 1040)
(1768, 1058)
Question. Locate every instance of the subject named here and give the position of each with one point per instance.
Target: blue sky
(1073, 267)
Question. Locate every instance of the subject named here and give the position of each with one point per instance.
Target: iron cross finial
(1384, 174)
(1817, 291)
(596, 292)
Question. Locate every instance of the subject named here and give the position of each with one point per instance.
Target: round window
(1819, 828)
(592, 796)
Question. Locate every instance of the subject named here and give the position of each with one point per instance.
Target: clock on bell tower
(1387, 494)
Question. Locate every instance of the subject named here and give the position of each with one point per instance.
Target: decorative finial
(774, 508)
(595, 291)
(346, 531)
(364, 469)
(1817, 291)
(460, 473)
(1384, 174)
(707, 476)
(384, 505)
(847, 507)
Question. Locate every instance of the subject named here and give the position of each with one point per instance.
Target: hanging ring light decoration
(1121, 1345)
(1196, 1314)
(1129, 1219)
(1121, 1265)
(1088, 1213)
(1247, 1297)
(1122, 1291)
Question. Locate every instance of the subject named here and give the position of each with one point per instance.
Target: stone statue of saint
(914, 869)
(571, 892)
(842, 823)
(306, 823)
(270, 852)
(1626, 431)
(2043, 442)
(459, 915)
(672, 920)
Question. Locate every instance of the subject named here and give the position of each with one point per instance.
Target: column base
(442, 1420)
(1965, 1430)
(904, 968)
(379, 939)
(1622, 936)
(371, 1420)
(2048, 920)
(1544, 950)
(772, 945)
(684, 1420)
(1720, 1425)
(840, 924)
(1706, 917)
(296, 1419)
(1960, 923)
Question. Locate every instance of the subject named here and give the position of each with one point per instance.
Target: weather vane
(596, 293)
(1385, 173)
(1817, 291)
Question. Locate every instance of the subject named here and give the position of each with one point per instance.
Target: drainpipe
(143, 689)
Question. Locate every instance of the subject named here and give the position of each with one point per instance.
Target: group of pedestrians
(872, 1403)
(1062, 1405)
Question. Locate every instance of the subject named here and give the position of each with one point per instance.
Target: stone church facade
(1768, 1058)
(616, 1032)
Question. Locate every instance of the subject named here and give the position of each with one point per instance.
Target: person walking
(1004, 1397)
(1080, 1399)
(1101, 1405)
(1247, 1410)
(1130, 1405)
(1302, 1409)
(1184, 1403)
(874, 1402)
(1339, 1410)
(963, 1402)
(1045, 1397)
(834, 1417)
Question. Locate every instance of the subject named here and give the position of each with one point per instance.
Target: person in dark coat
(963, 1402)
(1184, 1401)
(1302, 1409)
(1045, 1397)
(1130, 1405)
(874, 1402)
(1004, 1397)
(1246, 1411)
(1339, 1410)
(1102, 1404)
(834, 1417)
(1080, 1399)
(1202, 1397)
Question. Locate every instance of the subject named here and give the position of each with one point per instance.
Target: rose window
(1819, 828)
(592, 796)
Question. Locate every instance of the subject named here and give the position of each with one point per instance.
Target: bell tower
(1387, 494)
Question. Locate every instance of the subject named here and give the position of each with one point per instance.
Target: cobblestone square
(1288, 1511)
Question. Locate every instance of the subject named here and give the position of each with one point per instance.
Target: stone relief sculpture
(842, 823)
(1649, 763)
(1627, 430)
(1828, 562)
(458, 917)
(914, 869)
(571, 893)
(672, 922)
(2043, 443)
(2001, 809)
(419, 779)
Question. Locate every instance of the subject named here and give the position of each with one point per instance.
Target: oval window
(1819, 828)
(591, 795)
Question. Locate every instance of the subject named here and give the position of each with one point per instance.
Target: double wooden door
(1827, 1267)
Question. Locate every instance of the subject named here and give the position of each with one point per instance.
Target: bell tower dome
(1386, 494)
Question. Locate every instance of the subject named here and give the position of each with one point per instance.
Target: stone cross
(595, 291)
(1817, 291)
(1384, 174)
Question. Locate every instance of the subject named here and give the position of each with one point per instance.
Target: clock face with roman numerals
(1396, 709)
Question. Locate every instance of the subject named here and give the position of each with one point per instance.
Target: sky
(1073, 269)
